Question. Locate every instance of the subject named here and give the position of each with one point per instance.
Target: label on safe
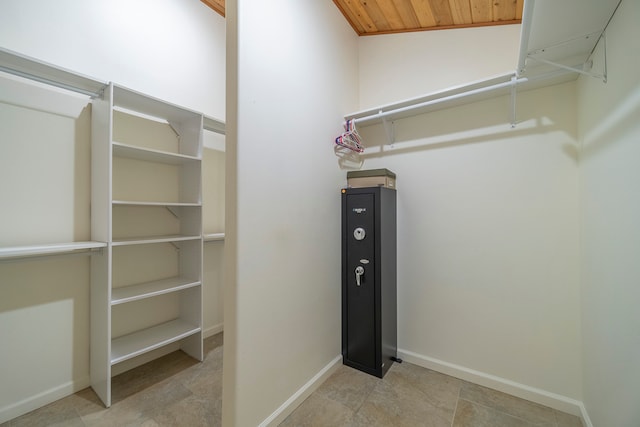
(359, 210)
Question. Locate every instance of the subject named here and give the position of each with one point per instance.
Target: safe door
(360, 280)
(368, 279)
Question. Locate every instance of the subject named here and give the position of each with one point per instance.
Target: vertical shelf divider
(115, 173)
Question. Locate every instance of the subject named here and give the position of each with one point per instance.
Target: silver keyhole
(359, 273)
(359, 233)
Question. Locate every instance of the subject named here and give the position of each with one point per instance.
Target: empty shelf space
(131, 100)
(213, 237)
(150, 155)
(150, 289)
(48, 249)
(137, 343)
(153, 239)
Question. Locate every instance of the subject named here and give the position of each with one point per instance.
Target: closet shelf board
(35, 250)
(160, 204)
(145, 104)
(153, 239)
(151, 289)
(150, 155)
(137, 343)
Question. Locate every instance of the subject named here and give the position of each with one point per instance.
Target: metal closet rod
(51, 82)
(384, 114)
(33, 69)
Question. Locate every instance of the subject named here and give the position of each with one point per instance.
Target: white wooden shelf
(48, 249)
(213, 237)
(145, 340)
(160, 204)
(151, 289)
(150, 155)
(153, 239)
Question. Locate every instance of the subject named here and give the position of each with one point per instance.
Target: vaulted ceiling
(368, 17)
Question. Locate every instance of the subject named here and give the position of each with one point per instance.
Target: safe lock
(359, 273)
(359, 233)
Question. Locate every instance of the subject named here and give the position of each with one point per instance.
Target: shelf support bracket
(173, 128)
(389, 129)
(176, 247)
(513, 102)
(576, 69)
(174, 213)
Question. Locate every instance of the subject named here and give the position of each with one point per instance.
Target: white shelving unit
(147, 206)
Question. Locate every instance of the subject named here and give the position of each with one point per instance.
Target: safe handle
(359, 273)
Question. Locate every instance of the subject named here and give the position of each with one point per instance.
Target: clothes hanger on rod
(350, 138)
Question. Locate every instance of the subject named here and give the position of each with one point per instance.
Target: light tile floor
(175, 390)
(411, 396)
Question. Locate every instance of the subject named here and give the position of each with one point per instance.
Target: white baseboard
(299, 396)
(211, 331)
(16, 409)
(543, 397)
(586, 421)
(39, 400)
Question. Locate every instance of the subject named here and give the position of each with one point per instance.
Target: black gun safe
(369, 318)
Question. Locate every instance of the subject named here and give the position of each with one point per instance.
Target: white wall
(171, 49)
(395, 67)
(487, 233)
(609, 134)
(45, 168)
(285, 110)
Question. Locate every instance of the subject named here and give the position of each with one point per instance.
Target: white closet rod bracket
(389, 129)
(604, 47)
(513, 103)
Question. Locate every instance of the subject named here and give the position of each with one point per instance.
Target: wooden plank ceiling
(368, 17)
(217, 5)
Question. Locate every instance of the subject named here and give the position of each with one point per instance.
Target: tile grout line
(453, 418)
(79, 416)
(507, 414)
(367, 396)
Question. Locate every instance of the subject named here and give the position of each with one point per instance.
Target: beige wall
(487, 231)
(395, 67)
(609, 128)
(286, 100)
